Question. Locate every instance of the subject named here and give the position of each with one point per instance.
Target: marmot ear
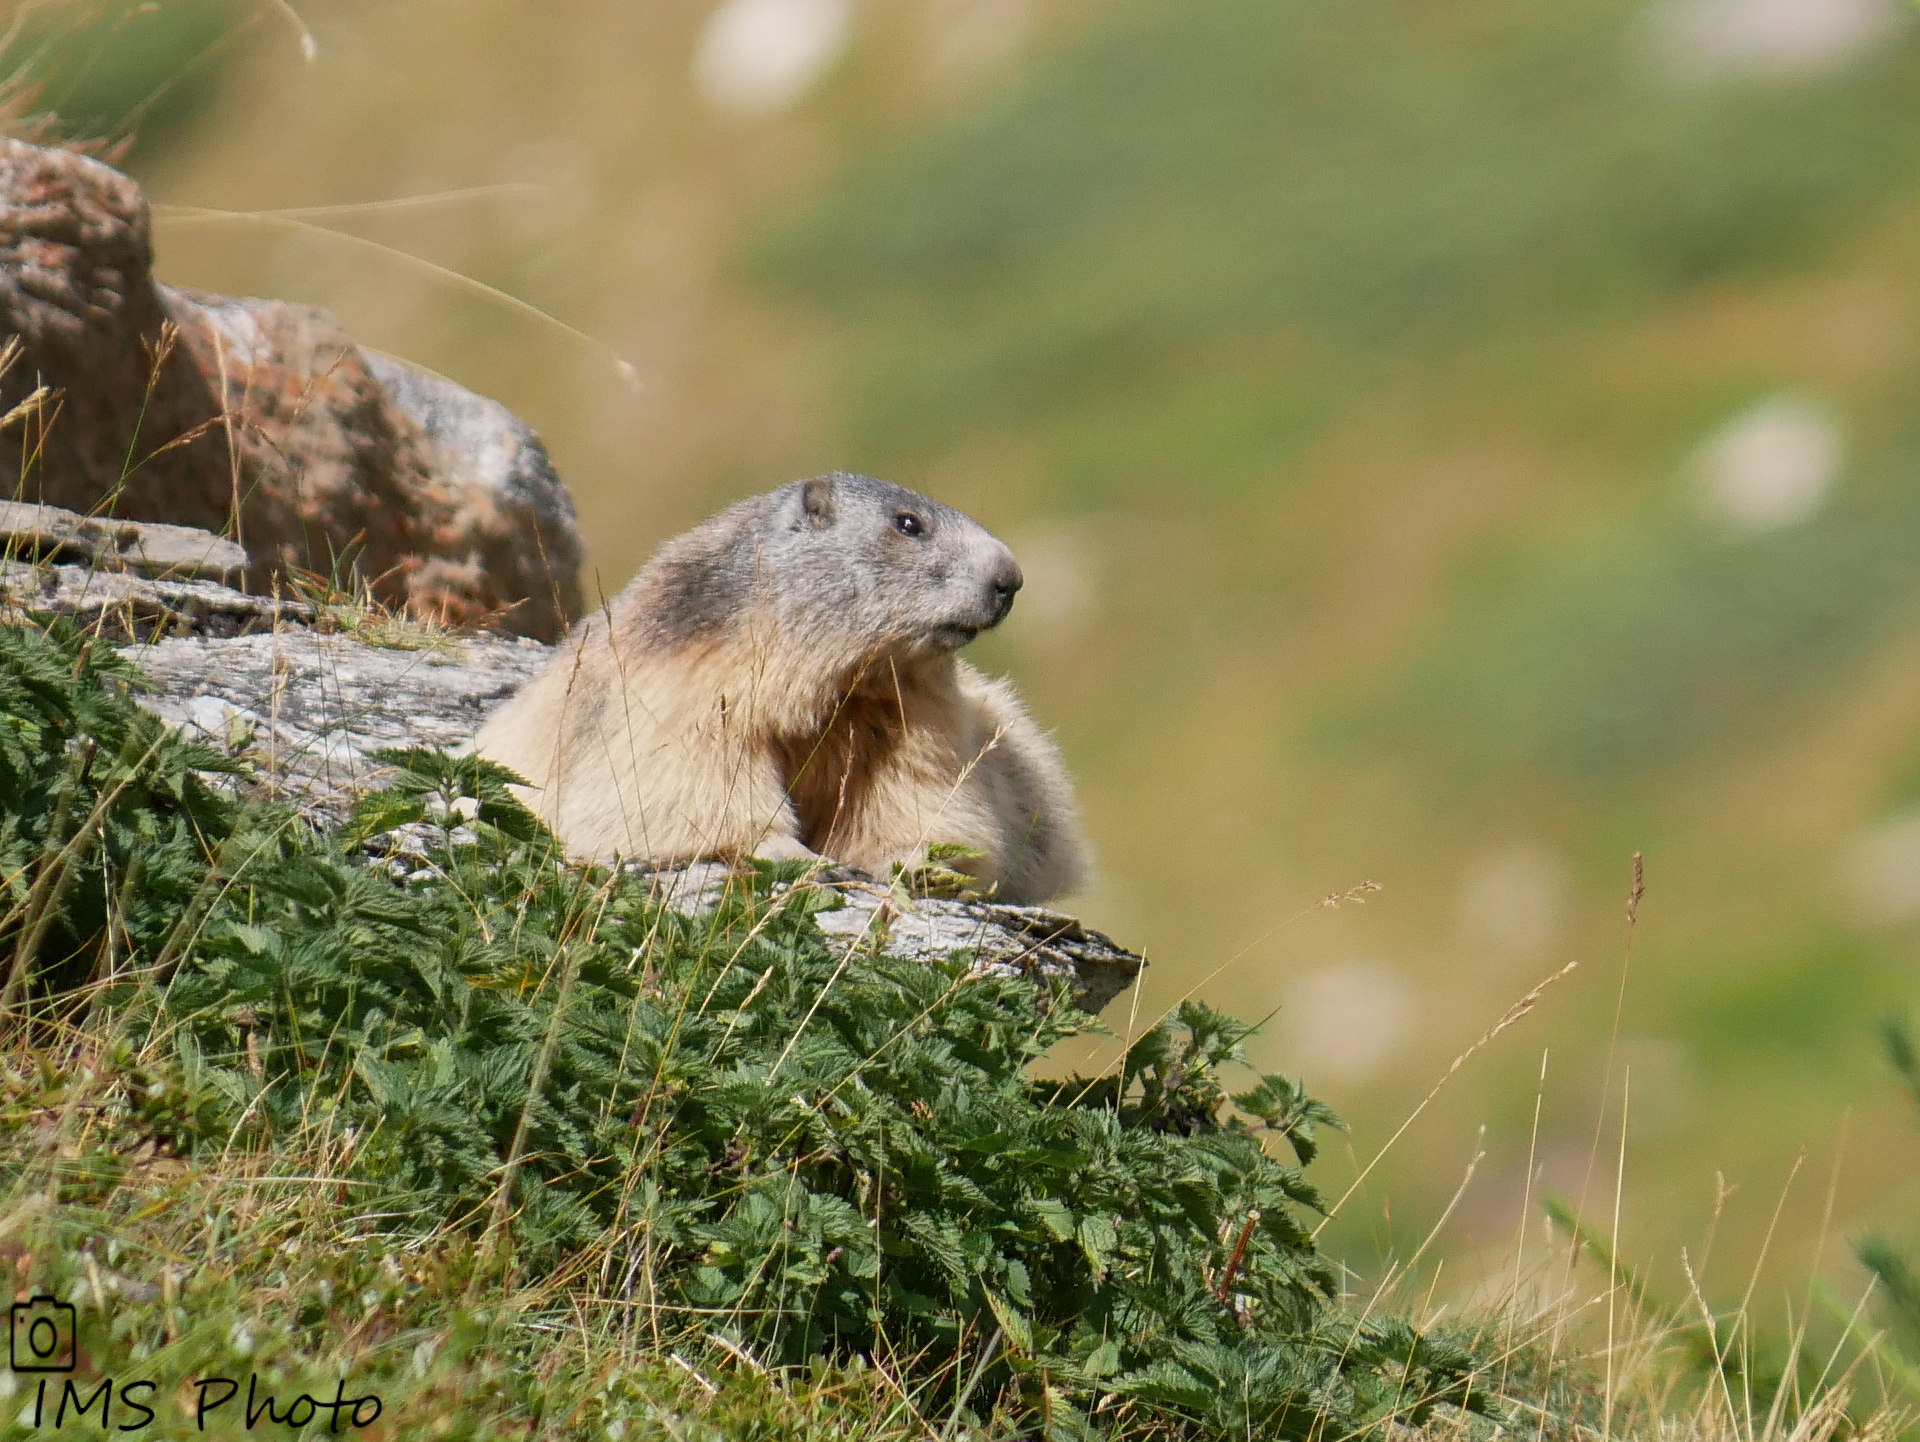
(816, 500)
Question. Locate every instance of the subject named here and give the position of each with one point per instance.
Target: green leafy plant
(722, 1124)
(107, 825)
(1897, 1286)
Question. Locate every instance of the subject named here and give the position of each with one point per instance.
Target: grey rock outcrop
(307, 709)
(46, 533)
(1003, 940)
(127, 606)
(1028, 940)
(257, 419)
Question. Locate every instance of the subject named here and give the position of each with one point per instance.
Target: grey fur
(826, 554)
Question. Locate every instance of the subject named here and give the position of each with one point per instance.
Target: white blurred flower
(1343, 1021)
(1785, 39)
(1770, 467)
(967, 36)
(1880, 869)
(757, 57)
(1512, 900)
(221, 722)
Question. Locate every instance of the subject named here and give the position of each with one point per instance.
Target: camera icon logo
(41, 1335)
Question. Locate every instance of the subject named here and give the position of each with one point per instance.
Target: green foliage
(206, 1275)
(1899, 1290)
(107, 829)
(1809, 987)
(1897, 1284)
(809, 1153)
(109, 69)
(1896, 1035)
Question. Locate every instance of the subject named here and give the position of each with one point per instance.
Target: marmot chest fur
(781, 681)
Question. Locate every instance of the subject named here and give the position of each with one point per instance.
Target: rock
(1005, 940)
(514, 518)
(47, 533)
(125, 606)
(257, 419)
(82, 315)
(258, 678)
(306, 708)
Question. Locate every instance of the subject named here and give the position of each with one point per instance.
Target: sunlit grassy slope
(1336, 372)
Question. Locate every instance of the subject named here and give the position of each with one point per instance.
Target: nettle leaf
(940, 1240)
(1054, 1215)
(1018, 1330)
(1169, 1382)
(256, 939)
(1103, 1360)
(384, 811)
(1098, 1240)
(1284, 1107)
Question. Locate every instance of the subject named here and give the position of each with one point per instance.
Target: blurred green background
(1453, 445)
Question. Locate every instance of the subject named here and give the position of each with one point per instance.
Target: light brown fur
(794, 725)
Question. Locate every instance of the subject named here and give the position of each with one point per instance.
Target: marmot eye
(907, 524)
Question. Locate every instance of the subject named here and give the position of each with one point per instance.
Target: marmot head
(851, 567)
(853, 555)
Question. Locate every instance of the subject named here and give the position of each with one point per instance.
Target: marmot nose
(1006, 580)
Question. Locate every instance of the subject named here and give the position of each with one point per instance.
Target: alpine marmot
(781, 682)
